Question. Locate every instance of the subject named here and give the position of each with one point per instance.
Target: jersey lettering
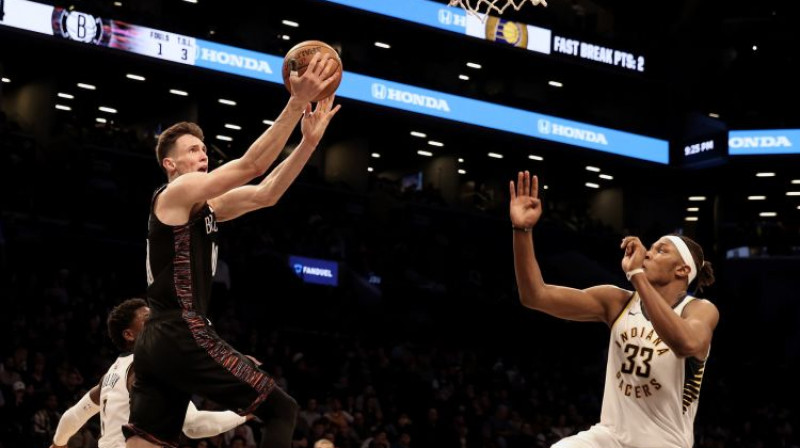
(646, 384)
(642, 369)
(214, 254)
(211, 224)
(150, 279)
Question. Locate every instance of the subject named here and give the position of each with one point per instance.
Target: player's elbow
(249, 167)
(265, 198)
(687, 348)
(193, 431)
(253, 168)
(529, 298)
(190, 432)
(525, 299)
(270, 200)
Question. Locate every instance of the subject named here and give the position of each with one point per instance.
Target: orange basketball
(301, 54)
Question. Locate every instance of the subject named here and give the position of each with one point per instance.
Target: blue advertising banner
(759, 142)
(81, 27)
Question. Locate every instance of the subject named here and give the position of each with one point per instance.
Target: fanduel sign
(776, 141)
(316, 271)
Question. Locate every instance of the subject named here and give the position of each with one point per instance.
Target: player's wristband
(633, 272)
(521, 229)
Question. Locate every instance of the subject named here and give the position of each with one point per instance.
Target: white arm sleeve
(73, 419)
(199, 424)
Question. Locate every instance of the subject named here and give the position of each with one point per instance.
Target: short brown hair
(167, 139)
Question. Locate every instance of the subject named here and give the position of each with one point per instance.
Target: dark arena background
(380, 290)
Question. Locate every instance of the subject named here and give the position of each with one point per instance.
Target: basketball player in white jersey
(111, 399)
(660, 335)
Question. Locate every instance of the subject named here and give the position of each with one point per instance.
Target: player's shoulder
(184, 181)
(701, 305)
(610, 293)
(175, 193)
(613, 299)
(702, 310)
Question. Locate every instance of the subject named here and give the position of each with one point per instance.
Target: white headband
(686, 256)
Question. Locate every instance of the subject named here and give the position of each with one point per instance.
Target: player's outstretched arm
(75, 417)
(193, 188)
(600, 303)
(266, 194)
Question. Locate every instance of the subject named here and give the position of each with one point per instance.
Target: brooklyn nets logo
(81, 27)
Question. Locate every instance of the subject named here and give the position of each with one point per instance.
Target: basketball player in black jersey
(179, 353)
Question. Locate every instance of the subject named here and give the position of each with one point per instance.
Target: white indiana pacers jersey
(115, 403)
(651, 395)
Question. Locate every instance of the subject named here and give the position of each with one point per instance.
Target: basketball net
(475, 7)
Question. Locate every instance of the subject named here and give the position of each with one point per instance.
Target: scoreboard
(73, 25)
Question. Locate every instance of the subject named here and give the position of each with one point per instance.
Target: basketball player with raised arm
(125, 322)
(660, 335)
(179, 352)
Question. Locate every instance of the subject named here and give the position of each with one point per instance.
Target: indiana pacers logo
(506, 31)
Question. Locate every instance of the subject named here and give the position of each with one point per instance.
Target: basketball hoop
(474, 7)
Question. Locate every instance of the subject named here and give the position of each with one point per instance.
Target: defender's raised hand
(525, 208)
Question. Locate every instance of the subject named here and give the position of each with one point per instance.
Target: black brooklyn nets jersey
(181, 261)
